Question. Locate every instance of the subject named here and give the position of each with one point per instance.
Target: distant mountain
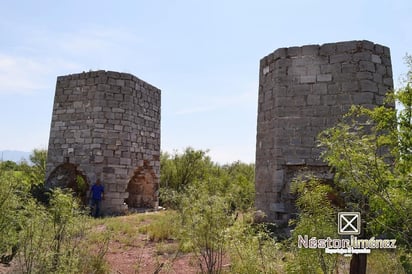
(14, 155)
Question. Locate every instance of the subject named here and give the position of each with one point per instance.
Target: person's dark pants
(95, 207)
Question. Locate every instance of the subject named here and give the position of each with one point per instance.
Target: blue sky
(203, 55)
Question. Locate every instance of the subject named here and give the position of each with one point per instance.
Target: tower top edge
(327, 49)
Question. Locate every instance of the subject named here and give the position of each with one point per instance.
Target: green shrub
(252, 250)
(316, 219)
(50, 237)
(205, 217)
(12, 193)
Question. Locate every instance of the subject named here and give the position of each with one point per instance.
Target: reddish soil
(140, 255)
(144, 257)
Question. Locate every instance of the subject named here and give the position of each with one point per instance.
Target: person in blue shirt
(96, 196)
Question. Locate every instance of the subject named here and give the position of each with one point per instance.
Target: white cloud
(35, 63)
(22, 75)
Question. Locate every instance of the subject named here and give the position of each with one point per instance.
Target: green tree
(371, 154)
(317, 218)
(252, 249)
(13, 193)
(9, 166)
(205, 217)
(50, 237)
(37, 170)
(240, 186)
(181, 171)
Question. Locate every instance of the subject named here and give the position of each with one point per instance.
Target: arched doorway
(142, 188)
(68, 176)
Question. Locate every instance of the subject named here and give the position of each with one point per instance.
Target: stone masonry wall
(303, 90)
(106, 125)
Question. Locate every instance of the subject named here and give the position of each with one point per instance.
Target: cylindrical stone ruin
(302, 91)
(106, 125)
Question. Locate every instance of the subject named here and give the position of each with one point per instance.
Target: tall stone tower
(302, 91)
(106, 125)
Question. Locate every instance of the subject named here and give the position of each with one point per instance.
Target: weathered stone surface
(97, 118)
(324, 77)
(308, 89)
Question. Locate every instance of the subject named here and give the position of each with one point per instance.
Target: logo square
(349, 223)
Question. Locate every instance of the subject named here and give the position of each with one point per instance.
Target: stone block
(297, 70)
(279, 53)
(265, 70)
(327, 49)
(344, 99)
(366, 66)
(376, 59)
(294, 51)
(368, 45)
(292, 160)
(386, 60)
(350, 46)
(98, 159)
(118, 127)
(320, 88)
(364, 75)
(324, 77)
(107, 169)
(377, 78)
(313, 99)
(340, 58)
(111, 191)
(311, 50)
(340, 77)
(125, 161)
(349, 67)
(381, 69)
(362, 56)
(388, 81)
(314, 69)
(350, 86)
(277, 207)
(368, 85)
(330, 68)
(122, 171)
(328, 99)
(77, 104)
(378, 48)
(113, 160)
(310, 79)
(363, 98)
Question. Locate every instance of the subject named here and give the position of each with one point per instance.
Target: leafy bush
(13, 194)
(316, 219)
(179, 172)
(205, 217)
(50, 237)
(252, 249)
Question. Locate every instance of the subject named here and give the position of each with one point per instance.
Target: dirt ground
(132, 260)
(145, 257)
(139, 255)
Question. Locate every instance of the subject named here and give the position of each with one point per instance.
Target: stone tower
(106, 125)
(302, 91)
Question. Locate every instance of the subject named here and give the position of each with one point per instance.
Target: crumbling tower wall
(106, 125)
(302, 91)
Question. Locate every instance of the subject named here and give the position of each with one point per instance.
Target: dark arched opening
(142, 188)
(68, 176)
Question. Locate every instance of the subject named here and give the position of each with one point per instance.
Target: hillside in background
(14, 155)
